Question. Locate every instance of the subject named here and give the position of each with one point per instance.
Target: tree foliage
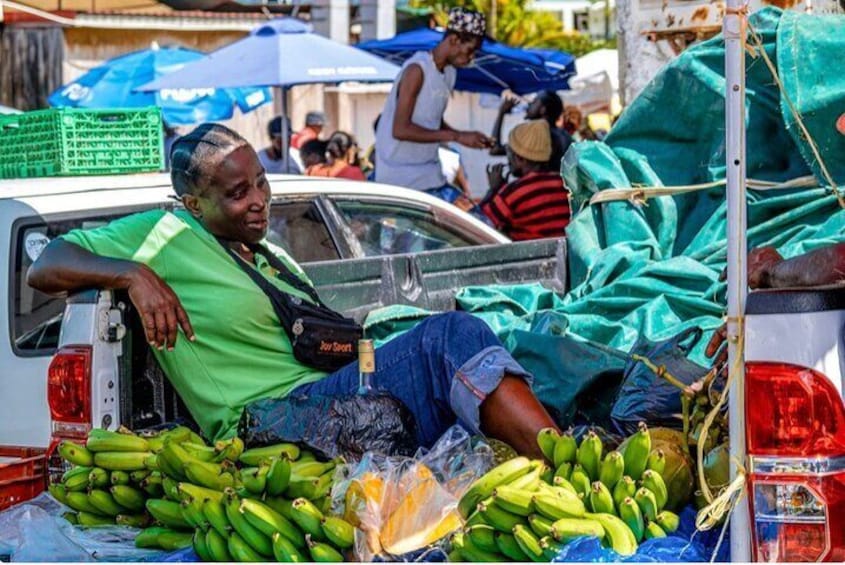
(513, 23)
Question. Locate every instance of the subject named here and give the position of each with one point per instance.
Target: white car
(314, 219)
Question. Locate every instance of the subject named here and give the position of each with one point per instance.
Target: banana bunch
(108, 481)
(525, 510)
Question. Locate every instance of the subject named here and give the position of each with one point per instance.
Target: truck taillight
(69, 390)
(795, 431)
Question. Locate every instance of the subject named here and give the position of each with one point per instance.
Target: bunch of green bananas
(109, 481)
(525, 510)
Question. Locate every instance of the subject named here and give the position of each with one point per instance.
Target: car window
(298, 228)
(385, 228)
(36, 317)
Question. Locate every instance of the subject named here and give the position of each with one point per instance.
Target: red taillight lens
(795, 427)
(792, 411)
(69, 385)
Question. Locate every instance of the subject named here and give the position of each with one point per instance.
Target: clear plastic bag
(405, 504)
(36, 531)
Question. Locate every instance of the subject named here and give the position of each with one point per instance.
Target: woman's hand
(158, 306)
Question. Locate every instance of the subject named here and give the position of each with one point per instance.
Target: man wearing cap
(314, 123)
(536, 204)
(272, 158)
(411, 128)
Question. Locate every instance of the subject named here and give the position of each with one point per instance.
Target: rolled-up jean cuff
(477, 378)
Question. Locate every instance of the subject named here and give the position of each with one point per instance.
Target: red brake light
(795, 427)
(69, 385)
(792, 411)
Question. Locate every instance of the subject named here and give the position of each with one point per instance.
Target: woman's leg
(449, 368)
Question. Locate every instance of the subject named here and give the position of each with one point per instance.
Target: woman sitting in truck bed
(234, 350)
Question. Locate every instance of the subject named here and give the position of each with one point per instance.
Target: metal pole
(733, 28)
(283, 95)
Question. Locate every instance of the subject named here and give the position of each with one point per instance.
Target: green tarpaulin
(652, 269)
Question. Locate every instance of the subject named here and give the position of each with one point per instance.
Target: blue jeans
(442, 370)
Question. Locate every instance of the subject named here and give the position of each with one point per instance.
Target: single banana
(541, 525)
(254, 479)
(77, 479)
(311, 468)
(302, 487)
(281, 505)
(657, 461)
(531, 480)
(87, 519)
(128, 497)
(148, 537)
(215, 514)
(580, 480)
(218, 546)
(58, 491)
(75, 453)
(653, 530)
(308, 517)
(278, 476)
(245, 530)
(560, 482)
(612, 469)
(200, 546)
(504, 473)
(208, 475)
(322, 552)
(565, 449)
(229, 449)
(547, 474)
(243, 552)
(508, 547)
(630, 513)
(654, 482)
(528, 543)
(71, 518)
(626, 487)
(119, 478)
(500, 519)
(600, 498)
(79, 502)
(105, 503)
(200, 451)
(172, 460)
(285, 552)
(121, 460)
(567, 529)
(98, 478)
(616, 533)
(253, 457)
(554, 507)
(171, 488)
(104, 440)
(171, 541)
(546, 441)
(564, 471)
(515, 501)
(647, 502)
(167, 513)
(636, 452)
(667, 520)
(482, 536)
(339, 532)
(133, 520)
(268, 521)
(189, 490)
(589, 454)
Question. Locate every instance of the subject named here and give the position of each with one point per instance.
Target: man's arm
(405, 129)
(822, 266)
(65, 267)
(498, 148)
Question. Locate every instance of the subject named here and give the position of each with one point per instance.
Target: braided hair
(195, 154)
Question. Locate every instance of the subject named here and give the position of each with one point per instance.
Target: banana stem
(661, 372)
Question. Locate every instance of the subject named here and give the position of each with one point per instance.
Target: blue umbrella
(113, 84)
(284, 53)
(496, 66)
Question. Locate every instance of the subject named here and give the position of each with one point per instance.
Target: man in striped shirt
(536, 204)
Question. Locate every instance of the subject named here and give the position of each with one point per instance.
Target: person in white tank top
(411, 128)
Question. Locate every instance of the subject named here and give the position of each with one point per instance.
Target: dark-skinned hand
(473, 139)
(159, 308)
(496, 177)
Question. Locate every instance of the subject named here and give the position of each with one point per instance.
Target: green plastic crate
(74, 141)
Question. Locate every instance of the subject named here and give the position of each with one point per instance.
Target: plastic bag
(643, 395)
(35, 531)
(348, 425)
(403, 505)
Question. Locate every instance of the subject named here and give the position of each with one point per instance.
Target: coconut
(717, 472)
(678, 473)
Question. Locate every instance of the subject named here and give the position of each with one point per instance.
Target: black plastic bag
(348, 425)
(643, 395)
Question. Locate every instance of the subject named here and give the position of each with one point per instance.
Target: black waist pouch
(320, 337)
